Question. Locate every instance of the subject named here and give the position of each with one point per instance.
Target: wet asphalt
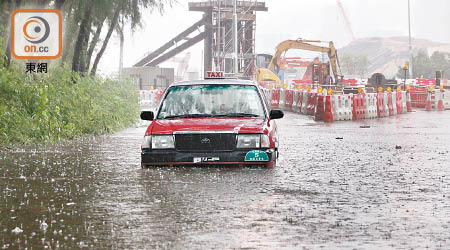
(338, 185)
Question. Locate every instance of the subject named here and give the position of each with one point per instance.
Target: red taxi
(214, 121)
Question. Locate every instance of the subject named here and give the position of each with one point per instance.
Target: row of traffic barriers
(149, 99)
(338, 107)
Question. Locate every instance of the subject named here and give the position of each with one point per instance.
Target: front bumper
(228, 158)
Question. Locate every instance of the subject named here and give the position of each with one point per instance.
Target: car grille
(205, 142)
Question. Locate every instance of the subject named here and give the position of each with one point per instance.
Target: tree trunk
(72, 25)
(59, 4)
(8, 52)
(93, 43)
(84, 50)
(105, 42)
(84, 29)
(121, 47)
(8, 47)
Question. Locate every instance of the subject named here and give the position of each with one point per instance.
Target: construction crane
(302, 45)
(348, 26)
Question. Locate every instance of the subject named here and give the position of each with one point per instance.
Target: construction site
(227, 31)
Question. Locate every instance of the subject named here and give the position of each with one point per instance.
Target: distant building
(148, 78)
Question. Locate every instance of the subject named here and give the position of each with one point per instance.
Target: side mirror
(276, 114)
(147, 115)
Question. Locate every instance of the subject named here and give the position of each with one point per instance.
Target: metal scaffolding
(219, 47)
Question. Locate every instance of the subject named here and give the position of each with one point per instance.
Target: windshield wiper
(237, 115)
(188, 116)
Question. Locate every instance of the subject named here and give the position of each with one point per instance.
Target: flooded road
(336, 186)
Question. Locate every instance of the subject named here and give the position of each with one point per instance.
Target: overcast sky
(292, 19)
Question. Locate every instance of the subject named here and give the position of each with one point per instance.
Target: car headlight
(265, 142)
(162, 141)
(146, 142)
(248, 141)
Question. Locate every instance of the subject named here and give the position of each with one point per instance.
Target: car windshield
(212, 101)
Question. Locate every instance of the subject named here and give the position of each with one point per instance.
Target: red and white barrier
(282, 98)
(328, 115)
(380, 105)
(295, 100)
(439, 98)
(386, 106)
(320, 108)
(408, 102)
(370, 105)
(403, 102)
(305, 101)
(312, 102)
(398, 102)
(149, 98)
(288, 99)
(393, 97)
(429, 103)
(275, 102)
(358, 107)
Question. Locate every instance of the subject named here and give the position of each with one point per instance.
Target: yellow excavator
(270, 74)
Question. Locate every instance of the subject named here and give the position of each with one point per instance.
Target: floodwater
(357, 191)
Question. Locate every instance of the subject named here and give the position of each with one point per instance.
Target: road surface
(336, 185)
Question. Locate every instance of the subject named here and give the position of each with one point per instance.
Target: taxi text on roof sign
(214, 74)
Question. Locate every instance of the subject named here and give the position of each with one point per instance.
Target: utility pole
(235, 39)
(410, 46)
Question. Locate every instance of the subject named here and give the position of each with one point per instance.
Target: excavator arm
(305, 45)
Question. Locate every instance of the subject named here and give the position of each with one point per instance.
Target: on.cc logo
(37, 24)
(36, 34)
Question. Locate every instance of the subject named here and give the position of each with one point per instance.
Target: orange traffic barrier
(398, 102)
(275, 103)
(312, 101)
(380, 105)
(288, 99)
(328, 114)
(408, 102)
(318, 115)
(390, 105)
(358, 107)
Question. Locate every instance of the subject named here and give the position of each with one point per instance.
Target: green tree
(426, 66)
(354, 64)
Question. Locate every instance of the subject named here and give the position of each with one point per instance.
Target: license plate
(205, 159)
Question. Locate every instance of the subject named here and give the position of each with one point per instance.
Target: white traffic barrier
(282, 98)
(305, 102)
(394, 103)
(404, 108)
(374, 105)
(294, 100)
(336, 105)
(342, 107)
(348, 113)
(386, 107)
(339, 108)
(268, 94)
(439, 99)
(147, 98)
(370, 105)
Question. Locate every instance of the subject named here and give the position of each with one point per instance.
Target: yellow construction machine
(270, 74)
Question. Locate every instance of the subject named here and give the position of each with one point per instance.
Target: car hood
(240, 125)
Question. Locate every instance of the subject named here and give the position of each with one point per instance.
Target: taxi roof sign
(214, 75)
